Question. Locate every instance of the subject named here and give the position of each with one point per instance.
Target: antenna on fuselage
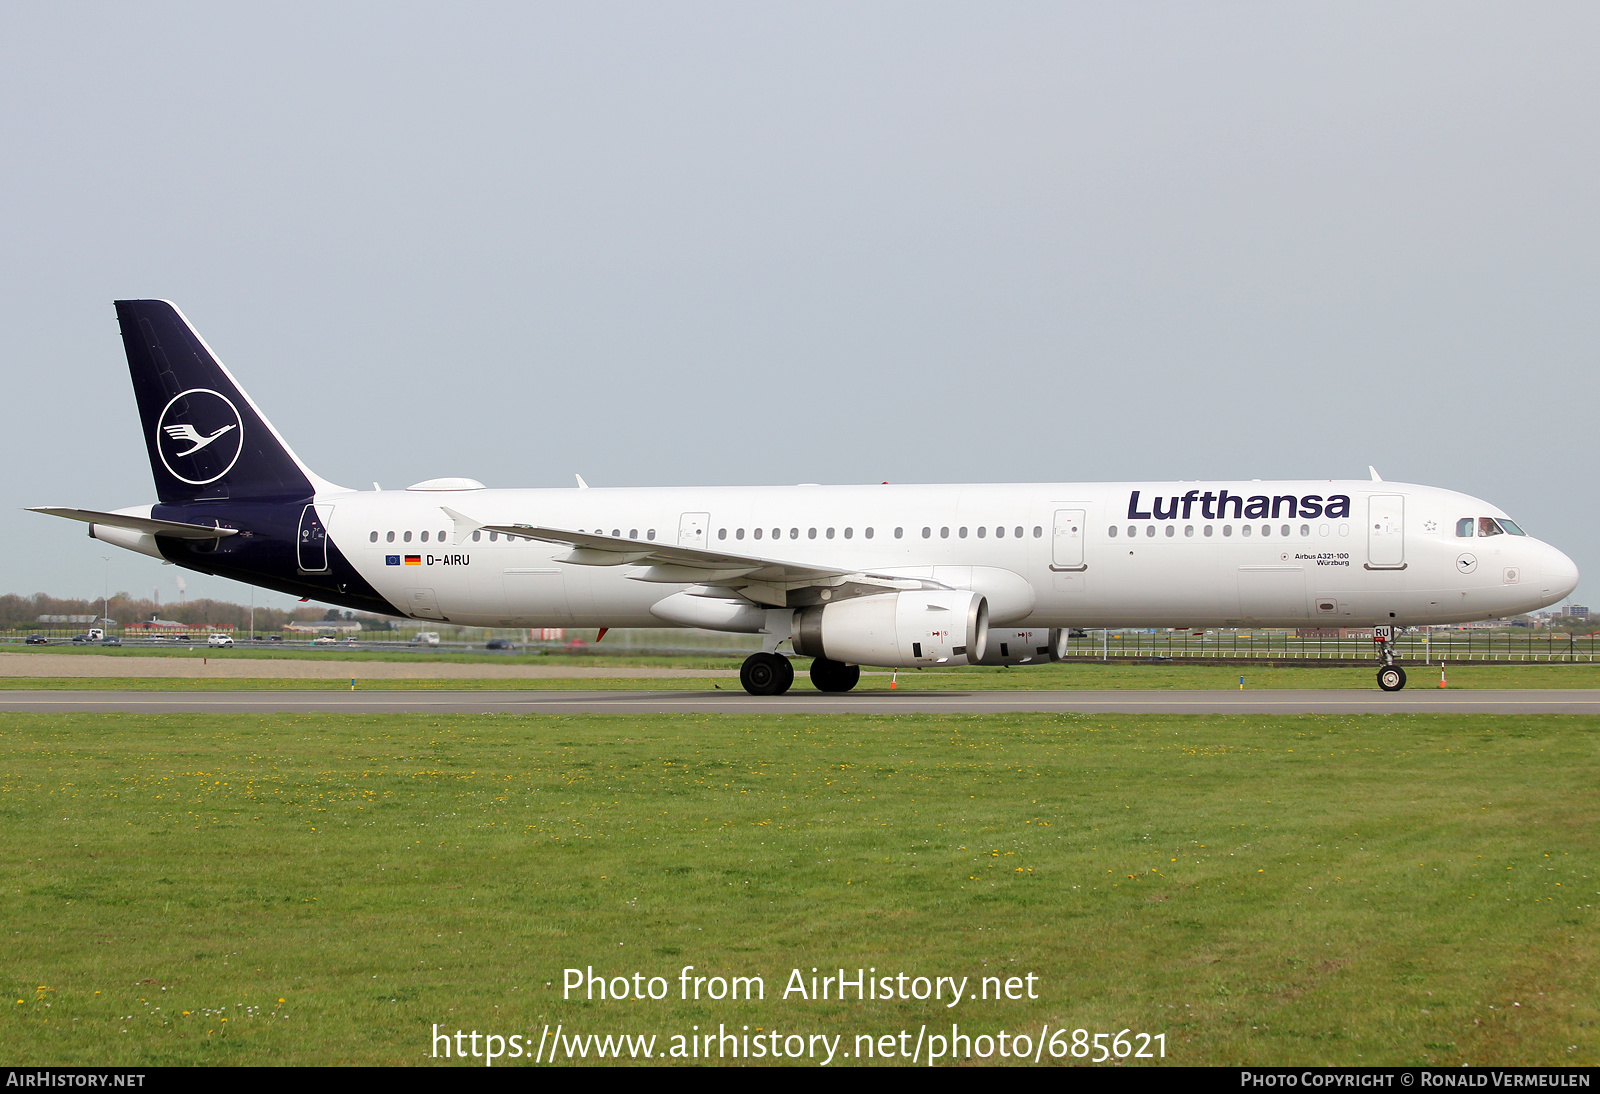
(1374, 471)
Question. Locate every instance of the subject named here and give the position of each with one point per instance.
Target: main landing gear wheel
(1391, 678)
(829, 675)
(766, 674)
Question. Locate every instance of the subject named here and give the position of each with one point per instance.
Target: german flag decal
(413, 560)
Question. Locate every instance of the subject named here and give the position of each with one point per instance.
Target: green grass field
(1361, 890)
(1063, 677)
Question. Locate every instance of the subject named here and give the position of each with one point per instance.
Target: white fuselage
(1092, 554)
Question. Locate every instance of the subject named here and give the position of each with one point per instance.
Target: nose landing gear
(1391, 677)
(766, 674)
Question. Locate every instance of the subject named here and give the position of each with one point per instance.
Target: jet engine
(896, 630)
(1008, 646)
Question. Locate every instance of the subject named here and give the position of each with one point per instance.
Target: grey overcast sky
(737, 243)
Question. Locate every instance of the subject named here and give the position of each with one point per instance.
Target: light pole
(105, 600)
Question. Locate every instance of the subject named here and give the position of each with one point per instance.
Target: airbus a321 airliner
(892, 576)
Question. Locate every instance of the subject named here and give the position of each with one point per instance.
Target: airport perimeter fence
(1285, 647)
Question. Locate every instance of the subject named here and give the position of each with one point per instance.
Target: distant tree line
(21, 613)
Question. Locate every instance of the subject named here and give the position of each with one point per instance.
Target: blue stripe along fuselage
(264, 552)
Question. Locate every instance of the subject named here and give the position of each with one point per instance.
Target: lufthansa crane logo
(199, 436)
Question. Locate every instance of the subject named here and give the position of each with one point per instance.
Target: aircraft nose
(1559, 572)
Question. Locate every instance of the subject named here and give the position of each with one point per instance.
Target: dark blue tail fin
(206, 438)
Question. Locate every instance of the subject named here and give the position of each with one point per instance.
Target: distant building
(1577, 611)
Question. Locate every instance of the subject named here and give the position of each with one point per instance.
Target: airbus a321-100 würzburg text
(893, 576)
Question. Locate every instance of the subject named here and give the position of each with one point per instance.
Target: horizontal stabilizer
(149, 526)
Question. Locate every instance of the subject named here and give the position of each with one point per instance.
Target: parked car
(111, 640)
(36, 640)
(499, 644)
(220, 641)
(81, 640)
(324, 640)
(426, 638)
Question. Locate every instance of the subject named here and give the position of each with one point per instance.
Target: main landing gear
(834, 675)
(773, 674)
(1391, 677)
(766, 674)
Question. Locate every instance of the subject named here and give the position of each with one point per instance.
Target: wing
(770, 581)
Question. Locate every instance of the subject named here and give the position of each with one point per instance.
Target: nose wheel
(766, 674)
(1391, 677)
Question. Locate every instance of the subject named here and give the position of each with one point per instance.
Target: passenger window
(1487, 527)
(758, 533)
(794, 533)
(406, 537)
(739, 533)
(1305, 530)
(1464, 527)
(494, 537)
(477, 536)
(848, 532)
(1038, 531)
(926, 532)
(1188, 530)
(962, 531)
(1150, 530)
(633, 533)
(1208, 529)
(1112, 531)
(1244, 530)
(651, 534)
(616, 533)
(441, 537)
(868, 532)
(944, 533)
(1017, 531)
(1227, 529)
(1171, 531)
(1000, 532)
(982, 531)
(811, 533)
(388, 537)
(424, 537)
(722, 533)
(1132, 531)
(373, 538)
(1266, 529)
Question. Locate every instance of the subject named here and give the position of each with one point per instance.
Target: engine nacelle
(1008, 646)
(896, 630)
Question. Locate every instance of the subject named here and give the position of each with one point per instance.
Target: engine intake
(897, 630)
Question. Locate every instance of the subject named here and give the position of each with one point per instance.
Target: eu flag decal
(391, 560)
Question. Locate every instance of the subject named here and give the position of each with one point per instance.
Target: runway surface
(1417, 701)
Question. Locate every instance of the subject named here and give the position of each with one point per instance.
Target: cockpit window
(1510, 527)
(1487, 526)
(1464, 527)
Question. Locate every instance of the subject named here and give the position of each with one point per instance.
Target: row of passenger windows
(1227, 530)
(962, 532)
(422, 537)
